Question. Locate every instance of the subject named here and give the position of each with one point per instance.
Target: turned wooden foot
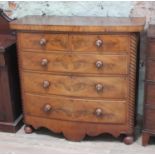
(145, 138)
(28, 129)
(128, 140)
(76, 137)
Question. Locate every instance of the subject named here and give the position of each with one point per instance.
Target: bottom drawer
(149, 118)
(71, 109)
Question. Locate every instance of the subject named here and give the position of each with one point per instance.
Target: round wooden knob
(99, 64)
(47, 108)
(44, 62)
(98, 112)
(99, 43)
(99, 87)
(42, 42)
(46, 84)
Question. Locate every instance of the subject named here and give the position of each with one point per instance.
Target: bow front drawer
(99, 43)
(98, 111)
(80, 86)
(75, 63)
(43, 42)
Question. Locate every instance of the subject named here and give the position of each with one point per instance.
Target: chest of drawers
(78, 74)
(149, 101)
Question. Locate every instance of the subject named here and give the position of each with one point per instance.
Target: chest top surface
(79, 24)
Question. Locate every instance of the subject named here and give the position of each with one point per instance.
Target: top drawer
(34, 41)
(99, 43)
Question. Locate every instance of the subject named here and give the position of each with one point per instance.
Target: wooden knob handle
(47, 108)
(46, 84)
(98, 112)
(99, 64)
(44, 62)
(99, 43)
(42, 42)
(99, 87)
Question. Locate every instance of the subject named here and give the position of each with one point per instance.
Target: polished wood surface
(149, 100)
(44, 42)
(10, 102)
(80, 86)
(75, 63)
(79, 24)
(79, 83)
(108, 43)
(73, 109)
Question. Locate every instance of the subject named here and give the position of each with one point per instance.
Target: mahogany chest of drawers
(149, 100)
(78, 74)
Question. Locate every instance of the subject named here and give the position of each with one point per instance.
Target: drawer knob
(99, 87)
(99, 64)
(98, 112)
(47, 108)
(42, 42)
(99, 43)
(46, 84)
(44, 62)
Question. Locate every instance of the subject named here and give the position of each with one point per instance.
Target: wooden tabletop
(79, 24)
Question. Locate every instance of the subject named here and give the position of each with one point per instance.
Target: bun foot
(76, 137)
(128, 140)
(28, 129)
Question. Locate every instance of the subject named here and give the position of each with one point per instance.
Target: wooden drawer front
(76, 63)
(151, 48)
(44, 41)
(150, 93)
(149, 121)
(150, 70)
(100, 43)
(75, 109)
(105, 87)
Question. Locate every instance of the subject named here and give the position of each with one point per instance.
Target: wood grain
(75, 63)
(111, 43)
(68, 79)
(80, 86)
(52, 41)
(75, 109)
(79, 24)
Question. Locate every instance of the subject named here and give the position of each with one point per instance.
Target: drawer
(43, 42)
(99, 43)
(149, 119)
(150, 70)
(75, 63)
(80, 86)
(151, 48)
(71, 109)
(150, 93)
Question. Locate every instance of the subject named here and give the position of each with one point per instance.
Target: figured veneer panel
(80, 86)
(75, 63)
(100, 43)
(73, 109)
(43, 42)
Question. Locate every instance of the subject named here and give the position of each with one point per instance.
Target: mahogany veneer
(78, 74)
